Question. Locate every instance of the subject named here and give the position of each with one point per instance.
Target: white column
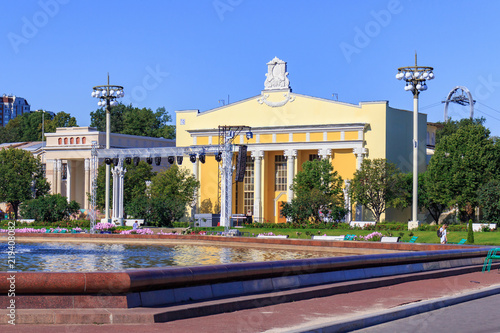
(324, 153)
(68, 180)
(86, 184)
(347, 201)
(290, 155)
(118, 176)
(59, 177)
(54, 177)
(196, 166)
(360, 154)
(116, 184)
(257, 195)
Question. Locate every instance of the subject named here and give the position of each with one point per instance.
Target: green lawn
(480, 238)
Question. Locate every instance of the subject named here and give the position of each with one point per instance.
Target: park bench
(275, 236)
(462, 241)
(413, 239)
(387, 239)
(492, 255)
(328, 238)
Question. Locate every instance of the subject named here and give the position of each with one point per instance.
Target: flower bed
(44, 230)
(145, 231)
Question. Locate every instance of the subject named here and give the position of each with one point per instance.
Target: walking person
(444, 234)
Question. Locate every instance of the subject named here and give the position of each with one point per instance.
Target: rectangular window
(313, 157)
(248, 187)
(44, 169)
(64, 173)
(279, 173)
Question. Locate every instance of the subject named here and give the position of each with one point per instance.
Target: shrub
(470, 235)
(180, 224)
(50, 208)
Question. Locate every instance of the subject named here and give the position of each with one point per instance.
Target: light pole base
(412, 225)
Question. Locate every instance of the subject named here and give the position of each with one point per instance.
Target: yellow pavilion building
(289, 129)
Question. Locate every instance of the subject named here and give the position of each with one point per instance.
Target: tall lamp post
(415, 77)
(107, 96)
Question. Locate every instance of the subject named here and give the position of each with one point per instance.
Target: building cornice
(289, 129)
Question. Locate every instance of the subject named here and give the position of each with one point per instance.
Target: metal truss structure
(93, 185)
(224, 151)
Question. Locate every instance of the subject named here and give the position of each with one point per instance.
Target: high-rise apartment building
(11, 107)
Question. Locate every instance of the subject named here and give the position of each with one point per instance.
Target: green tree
(435, 209)
(377, 184)
(318, 194)
(470, 233)
(489, 200)
(28, 126)
(172, 190)
(21, 177)
(135, 121)
(462, 162)
(452, 126)
(49, 208)
(7, 135)
(61, 119)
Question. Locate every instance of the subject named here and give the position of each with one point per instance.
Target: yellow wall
(333, 136)
(351, 136)
(266, 138)
(202, 140)
(299, 137)
(316, 137)
(269, 193)
(209, 179)
(344, 162)
(282, 137)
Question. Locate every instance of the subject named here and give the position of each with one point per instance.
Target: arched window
(84, 140)
(59, 141)
(77, 141)
(65, 141)
(71, 140)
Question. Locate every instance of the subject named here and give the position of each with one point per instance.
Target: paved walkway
(301, 315)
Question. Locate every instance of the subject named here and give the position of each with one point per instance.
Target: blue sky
(191, 54)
